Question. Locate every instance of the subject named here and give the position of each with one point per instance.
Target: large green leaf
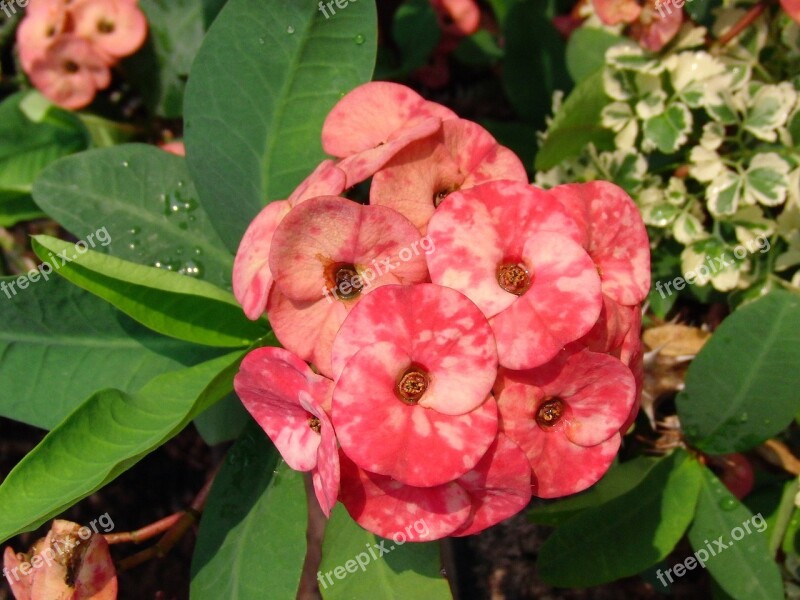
(619, 480)
(145, 200)
(586, 51)
(742, 567)
(105, 436)
(266, 76)
(59, 344)
(252, 539)
(577, 124)
(161, 68)
(358, 564)
(169, 303)
(16, 207)
(742, 387)
(627, 534)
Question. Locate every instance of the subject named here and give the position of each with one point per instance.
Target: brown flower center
(550, 412)
(314, 424)
(105, 26)
(70, 66)
(442, 193)
(413, 385)
(513, 278)
(347, 283)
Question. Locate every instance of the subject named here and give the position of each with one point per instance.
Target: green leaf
(619, 480)
(263, 82)
(586, 51)
(741, 389)
(416, 32)
(16, 207)
(519, 137)
(766, 180)
(479, 50)
(534, 65)
(577, 124)
(358, 564)
(105, 436)
(28, 145)
(252, 540)
(627, 534)
(160, 69)
(669, 130)
(145, 200)
(223, 422)
(744, 569)
(70, 344)
(171, 304)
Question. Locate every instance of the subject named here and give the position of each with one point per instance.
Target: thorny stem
(174, 532)
(145, 533)
(747, 19)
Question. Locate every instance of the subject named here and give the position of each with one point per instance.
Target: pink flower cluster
(451, 384)
(67, 47)
(653, 23)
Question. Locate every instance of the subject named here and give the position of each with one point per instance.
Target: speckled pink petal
(96, 579)
(462, 155)
(477, 230)
(384, 435)
(323, 232)
(374, 114)
(439, 329)
(655, 28)
(561, 305)
(252, 278)
(614, 12)
(326, 180)
(614, 235)
(20, 584)
(611, 327)
(325, 476)
(631, 353)
(387, 508)
(499, 486)
(272, 384)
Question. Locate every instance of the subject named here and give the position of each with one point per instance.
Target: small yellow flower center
(412, 385)
(513, 278)
(550, 412)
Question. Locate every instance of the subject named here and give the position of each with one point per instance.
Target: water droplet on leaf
(359, 39)
(290, 30)
(728, 504)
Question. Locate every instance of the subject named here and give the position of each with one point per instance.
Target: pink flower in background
(792, 8)
(653, 23)
(116, 28)
(614, 12)
(252, 278)
(461, 155)
(566, 417)
(289, 401)
(458, 17)
(70, 566)
(177, 148)
(512, 250)
(44, 23)
(326, 254)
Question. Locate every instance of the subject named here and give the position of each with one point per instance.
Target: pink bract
(499, 486)
(439, 330)
(458, 157)
(458, 17)
(613, 233)
(566, 417)
(44, 22)
(614, 12)
(328, 253)
(513, 251)
(288, 400)
(388, 508)
(792, 8)
(413, 444)
(70, 72)
(659, 23)
(116, 29)
(252, 278)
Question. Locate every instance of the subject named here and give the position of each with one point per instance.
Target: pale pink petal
(252, 279)
(462, 155)
(561, 305)
(326, 180)
(659, 22)
(177, 148)
(20, 584)
(611, 327)
(439, 329)
(614, 12)
(499, 486)
(117, 29)
(792, 8)
(390, 509)
(410, 443)
(44, 22)
(324, 476)
(614, 235)
(96, 578)
(460, 17)
(273, 384)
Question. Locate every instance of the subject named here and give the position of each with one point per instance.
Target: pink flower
(44, 22)
(374, 122)
(614, 12)
(70, 72)
(252, 279)
(653, 24)
(613, 233)
(458, 17)
(499, 486)
(178, 148)
(566, 416)
(326, 254)
(415, 365)
(115, 28)
(512, 250)
(72, 563)
(460, 156)
(792, 8)
(288, 400)
(389, 508)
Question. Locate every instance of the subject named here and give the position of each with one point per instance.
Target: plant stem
(747, 19)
